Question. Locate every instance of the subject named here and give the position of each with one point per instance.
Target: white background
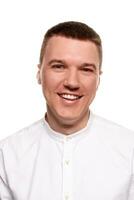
(22, 27)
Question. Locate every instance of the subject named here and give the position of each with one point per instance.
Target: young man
(70, 154)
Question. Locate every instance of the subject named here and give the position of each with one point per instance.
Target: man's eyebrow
(89, 65)
(55, 61)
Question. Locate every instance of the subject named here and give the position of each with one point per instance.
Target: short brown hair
(75, 30)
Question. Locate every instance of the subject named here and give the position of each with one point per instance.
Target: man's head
(69, 72)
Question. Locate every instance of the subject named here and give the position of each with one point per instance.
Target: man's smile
(70, 97)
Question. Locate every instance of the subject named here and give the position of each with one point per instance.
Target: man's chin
(69, 119)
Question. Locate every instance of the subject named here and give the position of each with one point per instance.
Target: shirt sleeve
(131, 190)
(5, 192)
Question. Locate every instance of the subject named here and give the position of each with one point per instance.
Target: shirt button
(67, 162)
(66, 197)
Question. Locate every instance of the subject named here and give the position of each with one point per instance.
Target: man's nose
(72, 80)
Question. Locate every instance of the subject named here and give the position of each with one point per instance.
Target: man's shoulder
(24, 135)
(106, 123)
(112, 131)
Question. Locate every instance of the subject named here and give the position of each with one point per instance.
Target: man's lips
(70, 97)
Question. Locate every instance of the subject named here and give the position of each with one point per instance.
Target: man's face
(69, 76)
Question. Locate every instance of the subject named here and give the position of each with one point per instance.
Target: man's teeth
(70, 96)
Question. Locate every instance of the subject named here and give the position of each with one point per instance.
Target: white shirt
(96, 163)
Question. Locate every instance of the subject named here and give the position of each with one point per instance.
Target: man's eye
(87, 69)
(58, 66)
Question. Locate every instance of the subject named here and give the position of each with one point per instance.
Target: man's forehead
(60, 38)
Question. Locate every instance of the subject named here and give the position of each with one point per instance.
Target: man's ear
(98, 83)
(38, 74)
(101, 72)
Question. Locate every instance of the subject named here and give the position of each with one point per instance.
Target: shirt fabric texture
(96, 163)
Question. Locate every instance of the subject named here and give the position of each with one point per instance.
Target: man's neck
(67, 127)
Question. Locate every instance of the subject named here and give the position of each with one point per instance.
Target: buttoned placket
(67, 169)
